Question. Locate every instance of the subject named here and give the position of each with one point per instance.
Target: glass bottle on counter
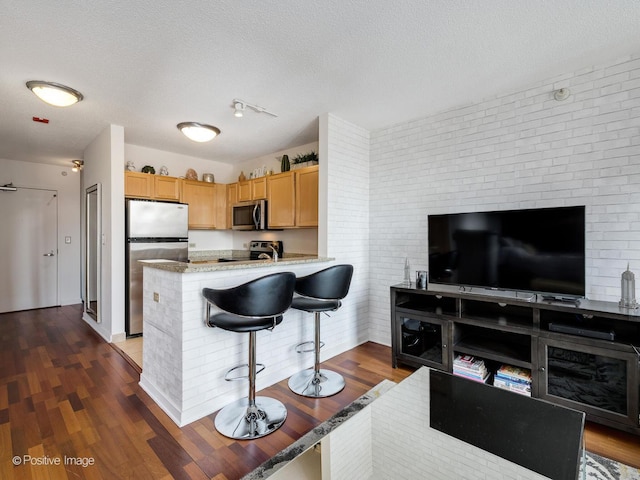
(407, 272)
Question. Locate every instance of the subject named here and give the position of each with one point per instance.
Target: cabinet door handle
(542, 369)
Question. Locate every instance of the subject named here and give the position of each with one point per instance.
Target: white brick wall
(347, 234)
(520, 150)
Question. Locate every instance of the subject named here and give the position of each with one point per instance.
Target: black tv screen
(536, 250)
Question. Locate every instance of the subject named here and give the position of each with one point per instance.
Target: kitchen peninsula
(184, 361)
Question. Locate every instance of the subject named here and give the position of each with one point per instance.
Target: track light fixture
(77, 165)
(240, 105)
(198, 132)
(54, 93)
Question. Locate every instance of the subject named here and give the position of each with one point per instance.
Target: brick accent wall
(522, 149)
(347, 234)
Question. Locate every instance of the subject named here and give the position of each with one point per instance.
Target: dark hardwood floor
(66, 396)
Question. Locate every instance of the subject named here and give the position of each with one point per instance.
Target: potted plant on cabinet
(304, 160)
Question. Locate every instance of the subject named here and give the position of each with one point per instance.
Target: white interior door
(28, 249)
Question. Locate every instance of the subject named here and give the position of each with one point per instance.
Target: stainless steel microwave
(249, 215)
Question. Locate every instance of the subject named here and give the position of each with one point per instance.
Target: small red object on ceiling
(41, 120)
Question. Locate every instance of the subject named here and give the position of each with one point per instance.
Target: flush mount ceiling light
(561, 94)
(54, 93)
(77, 165)
(198, 132)
(240, 105)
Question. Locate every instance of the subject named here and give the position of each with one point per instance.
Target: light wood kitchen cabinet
(254, 189)
(258, 188)
(221, 214)
(232, 199)
(166, 188)
(244, 191)
(207, 204)
(281, 200)
(154, 187)
(307, 197)
(292, 198)
(138, 185)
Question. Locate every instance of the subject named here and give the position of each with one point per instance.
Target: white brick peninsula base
(184, 362)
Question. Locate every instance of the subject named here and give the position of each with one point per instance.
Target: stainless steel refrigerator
(154, 230)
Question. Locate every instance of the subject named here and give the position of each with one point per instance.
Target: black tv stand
(561, 299)
(583, 355)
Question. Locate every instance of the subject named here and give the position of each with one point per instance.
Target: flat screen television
(538, 250)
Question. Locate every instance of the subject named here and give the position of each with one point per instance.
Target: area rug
(600, 468)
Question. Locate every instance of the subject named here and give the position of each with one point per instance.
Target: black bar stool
(320, 292)
(253, 306)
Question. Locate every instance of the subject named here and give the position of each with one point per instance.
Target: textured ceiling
(150, 64)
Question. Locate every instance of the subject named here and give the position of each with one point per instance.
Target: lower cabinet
(597, 380)
(422, 338)
(583, 356)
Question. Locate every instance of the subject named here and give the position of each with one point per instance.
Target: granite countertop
(318, 433)
(208, 261)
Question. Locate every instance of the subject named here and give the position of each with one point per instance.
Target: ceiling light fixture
(77, 165)
(198, 132)
(240, 105)
(54, 93)
(8, 188)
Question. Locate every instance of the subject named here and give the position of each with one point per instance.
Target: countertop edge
(182, 267)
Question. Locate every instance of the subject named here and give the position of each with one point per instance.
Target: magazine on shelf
(512, 387)
(469, 362)
(514, 374)
(475, 378)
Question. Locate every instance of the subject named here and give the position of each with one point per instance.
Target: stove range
(256, 247)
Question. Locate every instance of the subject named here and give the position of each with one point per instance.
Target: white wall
(344, 224)
(102, 160)
(176, 163)
(67, 184)
(522, 149)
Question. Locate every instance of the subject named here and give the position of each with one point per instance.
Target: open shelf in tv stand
(430, 326)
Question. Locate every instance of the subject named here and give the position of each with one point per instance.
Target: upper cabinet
(254, 189)
(232, 199)
(307, 197)
(292, 198)
(166, 188)
(156, 187)
(207, 204)
(281, 200)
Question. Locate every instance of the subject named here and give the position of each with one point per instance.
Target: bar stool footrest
(299, 347)
(259, 367)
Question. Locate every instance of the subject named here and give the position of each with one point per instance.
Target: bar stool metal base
(322, 383)
(240, 421)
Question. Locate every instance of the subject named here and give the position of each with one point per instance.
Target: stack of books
(514, 379)
(469, 367)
